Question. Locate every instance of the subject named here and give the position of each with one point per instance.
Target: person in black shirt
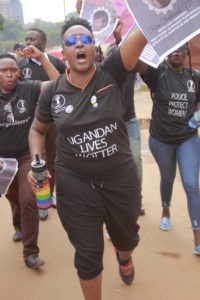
(96, 177)
(17, 109)
(130, 117)
(31, 69)
(175, 91)
(18, 49)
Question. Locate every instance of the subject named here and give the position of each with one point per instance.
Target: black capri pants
(84, 204)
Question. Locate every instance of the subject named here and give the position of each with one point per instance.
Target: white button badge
(94, 101)
(69, 109)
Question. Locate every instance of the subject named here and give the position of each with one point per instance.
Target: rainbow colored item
(43, 197)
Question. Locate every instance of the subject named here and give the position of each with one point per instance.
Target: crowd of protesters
(83, 123)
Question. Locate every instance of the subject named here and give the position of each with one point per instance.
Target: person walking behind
(31, 69)
(130, 117)
(175, 92)
(17, 109)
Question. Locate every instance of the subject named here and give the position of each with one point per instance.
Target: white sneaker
(43, 214)
(165, 224)
(54, 203)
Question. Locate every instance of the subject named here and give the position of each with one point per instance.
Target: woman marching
(175, 92)
(97, 179)
(17, 108)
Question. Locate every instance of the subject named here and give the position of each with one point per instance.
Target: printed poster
(126, 17)
(149, 55)
(167, 24)
(8, 170)
(101, 15)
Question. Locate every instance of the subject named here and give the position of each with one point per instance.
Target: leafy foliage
(1, 22)
(13, 32)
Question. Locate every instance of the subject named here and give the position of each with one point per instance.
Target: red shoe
(127, 271)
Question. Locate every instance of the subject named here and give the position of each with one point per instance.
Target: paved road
(166, 268)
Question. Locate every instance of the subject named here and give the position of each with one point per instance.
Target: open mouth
(9, 83)
(81, 56)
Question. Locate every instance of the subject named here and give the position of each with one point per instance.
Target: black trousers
(84, 204)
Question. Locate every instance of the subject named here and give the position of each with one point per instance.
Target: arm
(33, 52)
(117, 32)
(37, 138)
(36, 145)
(132, 48)
(141, 67)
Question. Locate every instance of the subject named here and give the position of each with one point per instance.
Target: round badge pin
(93, 99)
(69, 109)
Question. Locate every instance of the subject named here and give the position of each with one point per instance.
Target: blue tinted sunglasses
(72, 40)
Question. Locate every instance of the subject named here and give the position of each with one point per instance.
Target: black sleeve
(61, 66)
(43, 111)
(58, 64)
(22, 63)
(114, 65)
(150, 77)
(35, 87)
(198, 85)
(32, 88)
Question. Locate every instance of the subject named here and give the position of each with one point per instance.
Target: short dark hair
(18, 46)
(8, 55)
(75, 21)
(41, 32)
(101, 14)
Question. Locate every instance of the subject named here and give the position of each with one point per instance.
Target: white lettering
(94, 143)
(16, 123)
(180, 97)
(175, 112)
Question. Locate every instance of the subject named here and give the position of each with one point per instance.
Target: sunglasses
(8, 114)
(72, 40)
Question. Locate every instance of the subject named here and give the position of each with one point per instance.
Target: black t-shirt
(174, 97)
(92, 136)
(14, 136)
(32, 71)
(129, 96)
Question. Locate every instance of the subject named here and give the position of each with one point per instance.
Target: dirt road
(166, 268)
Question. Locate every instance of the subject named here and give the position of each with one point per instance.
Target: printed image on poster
(167, 24)
(159, 3)
(8, 170)
(125, 16)
(101, 16)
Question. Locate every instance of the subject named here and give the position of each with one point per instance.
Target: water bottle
(43, 196)
(194, 122)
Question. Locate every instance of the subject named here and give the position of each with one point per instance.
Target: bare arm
(33, 52)
(132, 48)
(117, 31)
(37, 138)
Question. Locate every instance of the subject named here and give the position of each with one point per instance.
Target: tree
(1, 22)
(13, 32)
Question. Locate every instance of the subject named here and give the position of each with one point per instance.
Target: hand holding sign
(170, 23)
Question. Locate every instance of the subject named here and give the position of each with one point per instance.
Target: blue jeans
(133, 128)
(187, 154)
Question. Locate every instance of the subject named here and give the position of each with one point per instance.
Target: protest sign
(167, 24)
(125, 16)
(149, 56)
(100, 14)
(8, 170)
